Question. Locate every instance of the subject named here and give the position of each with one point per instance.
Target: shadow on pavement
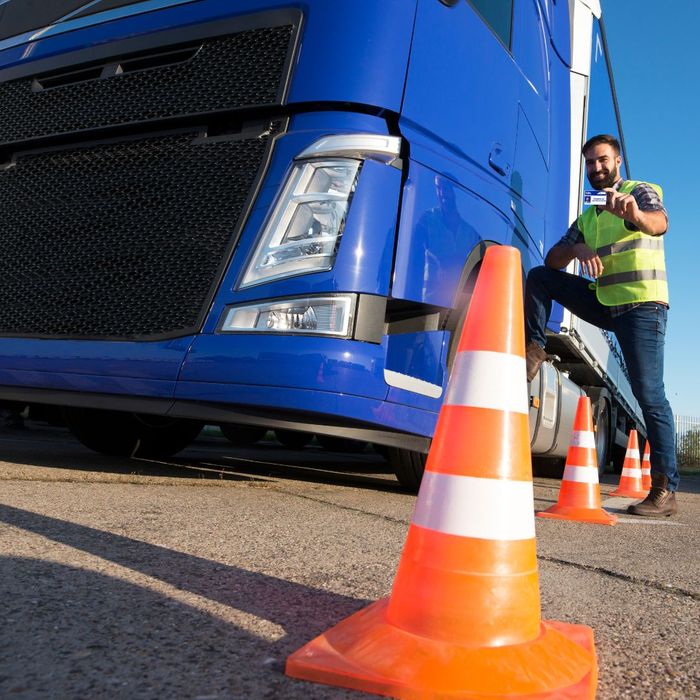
(208, 458)
(71, 632)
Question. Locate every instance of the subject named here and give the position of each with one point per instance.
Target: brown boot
(534, 357)
(659, 501)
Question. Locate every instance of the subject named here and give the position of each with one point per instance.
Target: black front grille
(244, 69)
(123, 239)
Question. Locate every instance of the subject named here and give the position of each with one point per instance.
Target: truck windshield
(20, 16)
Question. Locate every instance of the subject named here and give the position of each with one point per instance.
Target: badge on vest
(595, 197)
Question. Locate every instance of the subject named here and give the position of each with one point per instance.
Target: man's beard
(610, 179)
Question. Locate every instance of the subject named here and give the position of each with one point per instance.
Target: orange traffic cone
(631, 478)
(646, 468)
(579, 495)
(463, 620)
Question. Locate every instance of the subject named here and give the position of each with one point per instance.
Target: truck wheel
(408, 467)
(548, 467)
(601, 422)
(130, 434)
(293, 439)
(618, 458)
(163, 437)
(600, 405)
(339, 444)
(242, 435)
(382, 450)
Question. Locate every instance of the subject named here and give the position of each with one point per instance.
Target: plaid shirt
(647, 200)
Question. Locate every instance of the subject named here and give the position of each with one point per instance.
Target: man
(620, 246)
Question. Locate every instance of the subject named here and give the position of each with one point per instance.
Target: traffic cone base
(366, 652)
(583, 515)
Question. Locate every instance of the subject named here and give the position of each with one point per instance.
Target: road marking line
(648, 521)
(619, 502)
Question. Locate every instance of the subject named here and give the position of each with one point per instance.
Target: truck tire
(293, 439)
(601, 421)
(130, 434)
(618, 458)
(381, 450)
(408, 467)
(242, 435)
(340, 444)
(548, 467)
(43, 413)
(600, 405)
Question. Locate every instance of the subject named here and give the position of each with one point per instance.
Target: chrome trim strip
(363, 146)
(413, 384)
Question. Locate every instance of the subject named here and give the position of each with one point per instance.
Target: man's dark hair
(602, 138)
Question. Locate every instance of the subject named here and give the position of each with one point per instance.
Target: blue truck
(270, 214)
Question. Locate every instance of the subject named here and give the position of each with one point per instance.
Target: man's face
(602, 166)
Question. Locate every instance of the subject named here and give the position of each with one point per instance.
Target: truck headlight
(303, 231)
(331, 315)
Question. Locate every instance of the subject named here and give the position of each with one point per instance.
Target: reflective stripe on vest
(634, 268)
(654, 243)
(632, 276)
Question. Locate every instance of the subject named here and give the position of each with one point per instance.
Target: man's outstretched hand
(622, 205)
(625, 206)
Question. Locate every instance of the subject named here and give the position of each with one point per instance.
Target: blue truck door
(459, 116)
(461, 87)
(530, 178)
(558, 14)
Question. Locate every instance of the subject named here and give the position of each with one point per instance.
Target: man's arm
(650, 218)
(572, 246)
(561, 255)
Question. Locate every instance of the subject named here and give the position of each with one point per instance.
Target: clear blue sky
(657, 76)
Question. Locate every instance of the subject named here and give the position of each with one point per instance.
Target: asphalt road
(196, 577)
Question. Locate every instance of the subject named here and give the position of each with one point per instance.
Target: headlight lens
(304, 229)
(315, 315)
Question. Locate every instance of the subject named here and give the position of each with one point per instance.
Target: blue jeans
(641, 333)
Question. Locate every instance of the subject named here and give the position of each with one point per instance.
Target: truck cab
(271, 214)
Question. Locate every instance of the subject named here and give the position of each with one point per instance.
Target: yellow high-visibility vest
(634, 267)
